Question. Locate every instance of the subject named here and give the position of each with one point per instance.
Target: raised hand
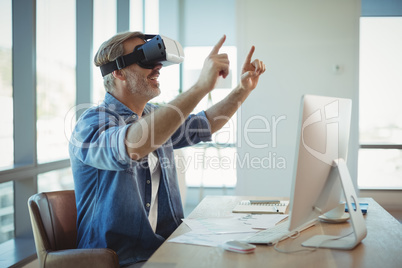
(215, 65)
(251, 71)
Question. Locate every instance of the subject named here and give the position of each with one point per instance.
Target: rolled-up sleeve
(98, 140)
(195, 129)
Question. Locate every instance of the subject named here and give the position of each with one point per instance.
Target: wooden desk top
(382, 246)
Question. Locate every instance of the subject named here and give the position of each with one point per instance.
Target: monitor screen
(323, 136)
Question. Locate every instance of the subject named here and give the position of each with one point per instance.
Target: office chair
(53, 217)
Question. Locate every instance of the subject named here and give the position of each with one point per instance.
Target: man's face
(141, 81)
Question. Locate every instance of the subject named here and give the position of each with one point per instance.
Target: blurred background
(326, 47)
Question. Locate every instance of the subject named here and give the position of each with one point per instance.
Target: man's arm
(151, 131)
(219, 114)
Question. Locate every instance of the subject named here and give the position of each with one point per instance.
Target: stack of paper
(215, 231)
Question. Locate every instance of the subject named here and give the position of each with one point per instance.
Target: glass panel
(56, 180)
(195, 57)
(136, 15)
(192, 66)
(169, 83)
(380, 169)
(379, 101)
(6, 90)
(151, 16)
(380, 80)
(56, 85)
(103, 30)
(6, 211)
(208, 164)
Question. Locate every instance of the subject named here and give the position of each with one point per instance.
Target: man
(121, 151)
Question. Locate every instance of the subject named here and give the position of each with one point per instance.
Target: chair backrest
(53, 217)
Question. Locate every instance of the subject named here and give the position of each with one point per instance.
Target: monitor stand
(356, 217)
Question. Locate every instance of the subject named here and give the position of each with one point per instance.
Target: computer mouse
(238, 246)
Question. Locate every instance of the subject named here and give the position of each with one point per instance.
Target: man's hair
(109, 51)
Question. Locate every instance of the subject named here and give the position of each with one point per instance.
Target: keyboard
(275, 234)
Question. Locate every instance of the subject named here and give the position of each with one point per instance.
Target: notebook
(261, 206)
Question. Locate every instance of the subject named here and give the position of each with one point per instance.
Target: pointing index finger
(250, 55)
(218, 46)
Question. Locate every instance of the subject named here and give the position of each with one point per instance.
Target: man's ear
(119, 74)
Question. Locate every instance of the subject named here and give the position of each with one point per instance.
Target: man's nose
(157, 66)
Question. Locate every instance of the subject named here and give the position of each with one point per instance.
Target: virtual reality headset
(156, 50)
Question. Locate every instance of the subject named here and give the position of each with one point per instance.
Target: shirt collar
(112, 103)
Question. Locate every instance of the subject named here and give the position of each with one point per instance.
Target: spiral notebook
(261, 207)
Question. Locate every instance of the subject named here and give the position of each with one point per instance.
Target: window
(6, 211)
(6, 90)
(151, 14)
(103, 30)
(136, 15)
(211, 164)
(56, 85)
(49, 88)
(6, 121)
(380, 156)
(56, 180)
(144, 17)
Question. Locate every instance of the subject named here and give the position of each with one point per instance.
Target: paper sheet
(211, 240)
(216, 231)
(235, 223)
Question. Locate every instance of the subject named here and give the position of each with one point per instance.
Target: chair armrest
(82, 258)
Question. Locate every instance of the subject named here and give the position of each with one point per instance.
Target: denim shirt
(111, 189)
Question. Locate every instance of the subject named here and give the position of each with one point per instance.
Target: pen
(277, 210)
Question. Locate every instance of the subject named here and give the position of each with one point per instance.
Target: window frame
(24, 173)
(372, 8)
(390, 198)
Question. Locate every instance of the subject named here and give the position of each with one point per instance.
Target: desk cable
(297, 234)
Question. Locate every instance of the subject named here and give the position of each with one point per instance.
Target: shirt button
(148, 181)
(148, 205)
(134, 116)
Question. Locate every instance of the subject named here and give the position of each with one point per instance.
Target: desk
(382, 246)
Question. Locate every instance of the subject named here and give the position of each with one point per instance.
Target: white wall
(198, 23)
(300, 42)
(206, 21)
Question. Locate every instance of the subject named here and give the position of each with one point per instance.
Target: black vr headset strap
(123, 61)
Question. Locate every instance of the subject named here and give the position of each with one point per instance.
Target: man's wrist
(241, 89)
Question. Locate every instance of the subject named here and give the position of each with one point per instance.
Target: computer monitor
(321, 178)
